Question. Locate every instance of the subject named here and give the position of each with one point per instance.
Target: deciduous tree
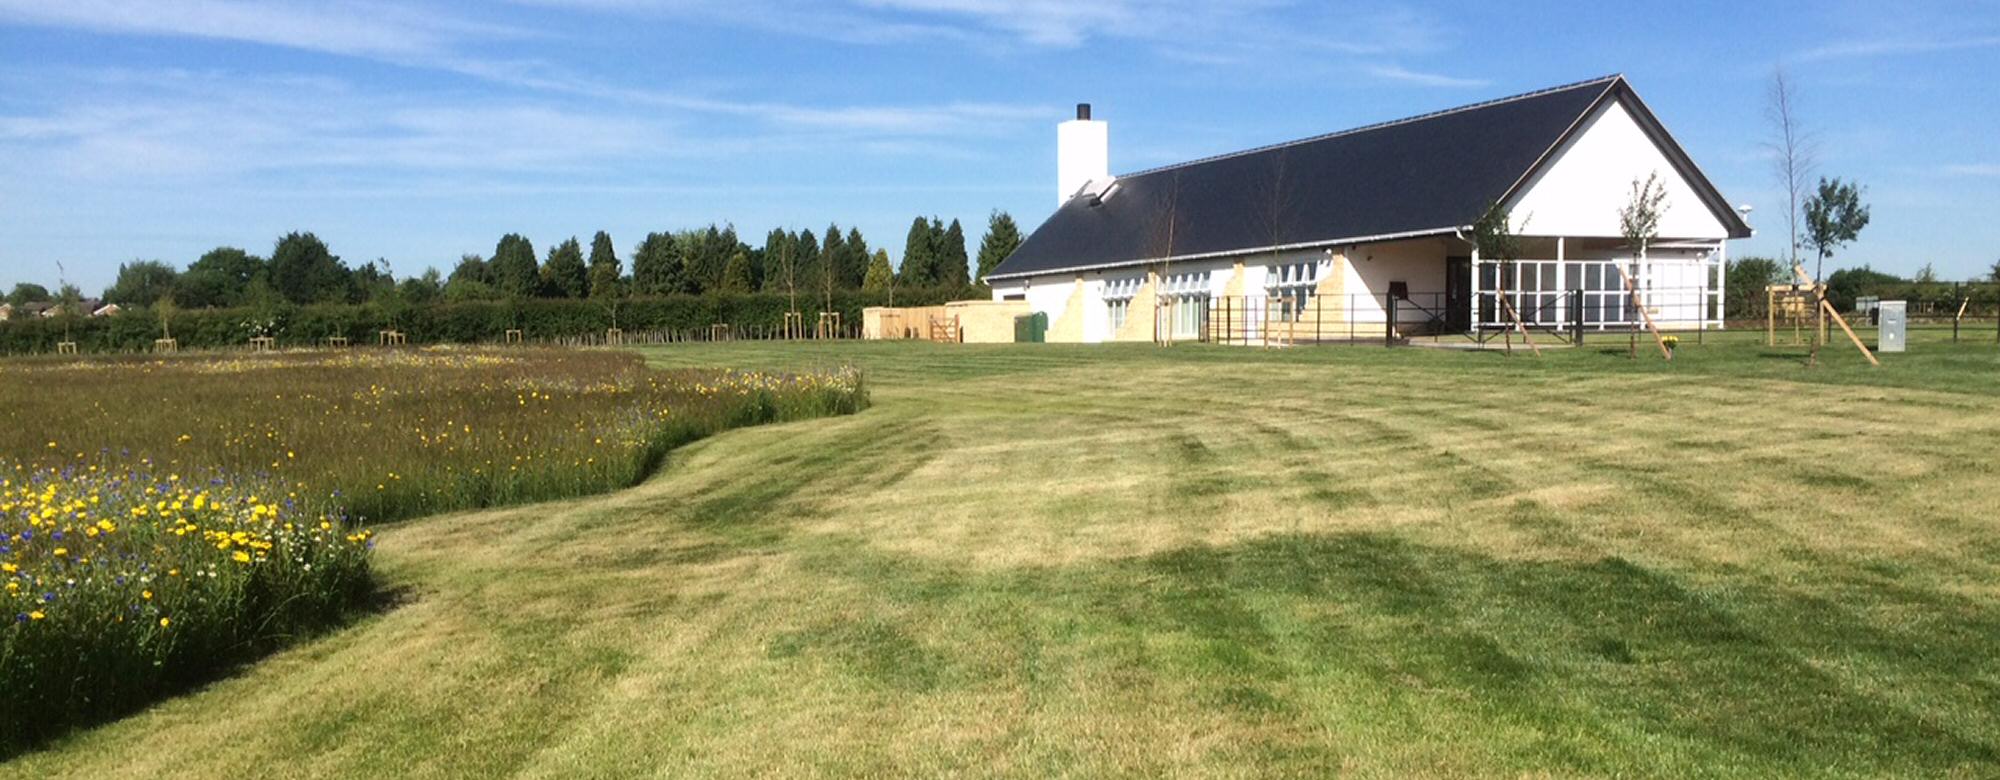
(1639, 224)
(221, 277)
(1794, 151)
(1834, 217)
(1749, 278)
(420, 290)
(141, 283)
(28, 292)
(303, 271)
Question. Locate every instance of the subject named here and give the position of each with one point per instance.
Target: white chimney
(1083, 154)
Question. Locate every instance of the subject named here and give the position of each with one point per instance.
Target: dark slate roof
(1422, 175)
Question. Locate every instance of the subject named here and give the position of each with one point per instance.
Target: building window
(1290, 288)
(1118, 295)
(1186, 297)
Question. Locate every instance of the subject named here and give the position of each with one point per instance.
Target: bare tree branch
(1794, 150)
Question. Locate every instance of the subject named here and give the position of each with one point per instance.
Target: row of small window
(1290, 288)
(1122, 289)
(1193, 283)
(1291, 275)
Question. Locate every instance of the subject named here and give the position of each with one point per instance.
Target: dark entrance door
(1458, 293)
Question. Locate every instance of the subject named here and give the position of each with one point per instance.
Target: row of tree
(302, 270)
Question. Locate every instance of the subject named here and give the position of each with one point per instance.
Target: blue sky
(418, 131)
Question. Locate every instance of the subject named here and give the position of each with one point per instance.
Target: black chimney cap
(1083, 111)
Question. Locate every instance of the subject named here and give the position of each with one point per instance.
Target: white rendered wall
(1590, 179)
(1083, 155)
(1047, 295)
(1371, 267)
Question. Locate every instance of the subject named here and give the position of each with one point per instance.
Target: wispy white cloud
(367, 29)
(112, 124)
(126, 125)
(1897, 45)
(1399, 73)
(434, 41)
(1212, 33)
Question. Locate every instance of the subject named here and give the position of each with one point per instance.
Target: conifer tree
(919, 251)
(879, 275)
(854, 269)
(1002, 238)
(736, 274)
(807, 261)
(952, 261)
(656, 265)
(833, 254)
(605, 271)
(564, 275)
(513, 266)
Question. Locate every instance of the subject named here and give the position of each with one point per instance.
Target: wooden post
(1826, 307)
(1770, 317)
(1640, 304)
(1508, 304)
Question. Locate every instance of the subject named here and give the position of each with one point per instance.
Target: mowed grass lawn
(1128, 560)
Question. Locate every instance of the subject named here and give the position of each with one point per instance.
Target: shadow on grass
(1614, 666)
(31, 728)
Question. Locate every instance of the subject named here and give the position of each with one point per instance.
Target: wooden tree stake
(1640, 304)
(1827, 308)
(1508, 304)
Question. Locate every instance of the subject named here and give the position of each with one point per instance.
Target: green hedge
(1931, 294)
(448, 323)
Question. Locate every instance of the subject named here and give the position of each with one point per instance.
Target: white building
(1322, 238)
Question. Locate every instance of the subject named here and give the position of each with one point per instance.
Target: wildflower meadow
(164, 518)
